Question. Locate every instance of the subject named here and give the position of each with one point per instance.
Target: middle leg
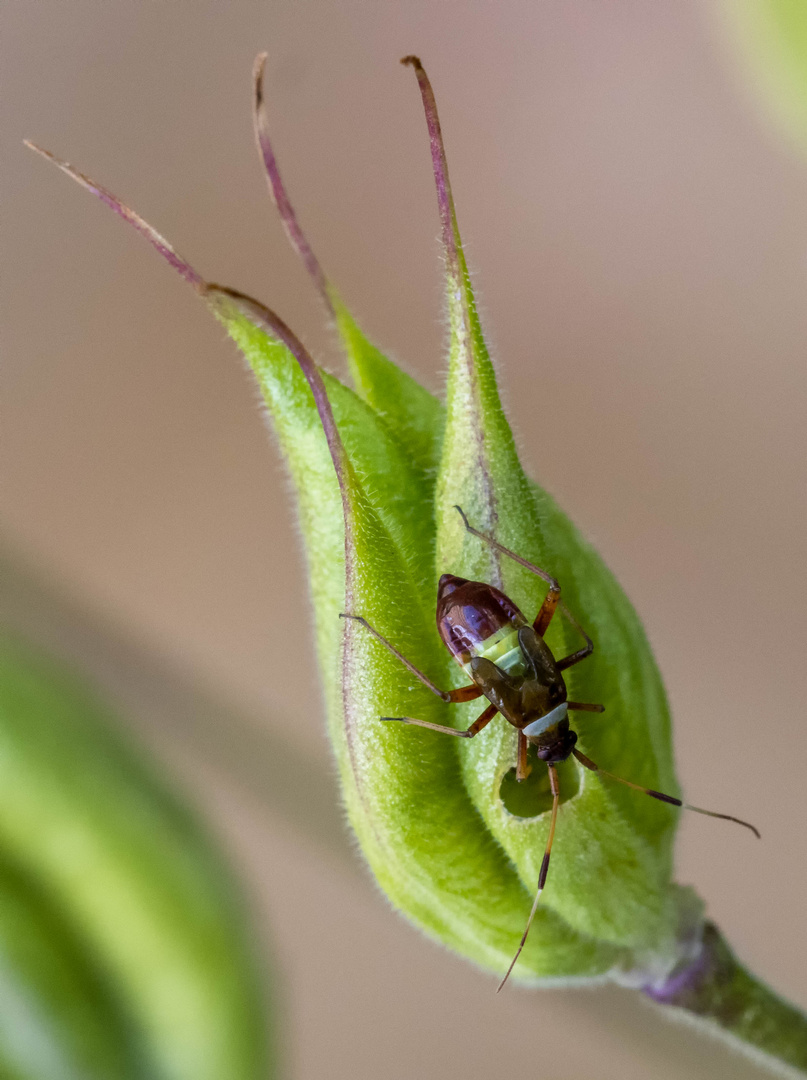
(580, 654)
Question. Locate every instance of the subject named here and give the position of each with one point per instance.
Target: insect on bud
(458, 843)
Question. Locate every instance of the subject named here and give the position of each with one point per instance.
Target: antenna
(555, 788)
(589, 764)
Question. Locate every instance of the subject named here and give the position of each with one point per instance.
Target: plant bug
(511, 665)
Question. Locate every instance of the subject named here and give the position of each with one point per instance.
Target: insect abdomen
(475, 619)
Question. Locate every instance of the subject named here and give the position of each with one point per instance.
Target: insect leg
(462, 693)
(551, 601)
(546, 611)
(589, 764)
(480, 722)
(555, 788)
(581, 706)
(523, 769)
(581, 654)
(551, 582)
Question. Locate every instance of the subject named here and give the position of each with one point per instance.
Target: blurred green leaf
(59, 1017)
(123, 951)
(769, 38)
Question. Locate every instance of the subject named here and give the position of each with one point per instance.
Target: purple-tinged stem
(295, 234)
(716, 989)
(143, 227)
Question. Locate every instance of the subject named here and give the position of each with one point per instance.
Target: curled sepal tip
(277, 188)
(154, 238)
(445, 199)
(409, 412)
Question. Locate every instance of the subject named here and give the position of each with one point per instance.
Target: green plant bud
(123, 954)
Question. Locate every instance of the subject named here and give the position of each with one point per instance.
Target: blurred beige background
(639, 236)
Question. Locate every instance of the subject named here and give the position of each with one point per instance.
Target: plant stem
(717, 990)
